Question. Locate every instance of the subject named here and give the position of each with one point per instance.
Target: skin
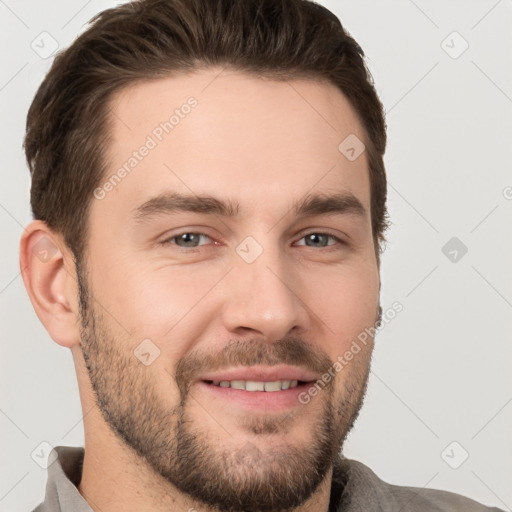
(264, 144)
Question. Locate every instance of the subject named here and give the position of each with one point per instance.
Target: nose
(264, 298)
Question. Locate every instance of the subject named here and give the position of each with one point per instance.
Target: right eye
(186, 240)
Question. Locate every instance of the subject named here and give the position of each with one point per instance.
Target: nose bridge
(264, 294)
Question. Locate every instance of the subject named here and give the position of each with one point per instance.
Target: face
(229, 267)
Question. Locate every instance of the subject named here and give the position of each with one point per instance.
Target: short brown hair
(67, 124)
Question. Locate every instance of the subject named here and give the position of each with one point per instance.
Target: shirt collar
(64, 474)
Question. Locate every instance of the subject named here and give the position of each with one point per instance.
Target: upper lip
(261, 374)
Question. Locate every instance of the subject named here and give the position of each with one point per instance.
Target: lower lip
(268, 401)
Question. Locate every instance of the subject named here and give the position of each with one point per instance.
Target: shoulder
(364, 490)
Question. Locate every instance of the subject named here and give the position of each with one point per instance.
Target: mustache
(290, 351)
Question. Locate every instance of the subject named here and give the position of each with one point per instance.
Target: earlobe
(49, 275)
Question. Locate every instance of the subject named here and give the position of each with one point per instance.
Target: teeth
(238, 384)
(273, 386)
(252, 385)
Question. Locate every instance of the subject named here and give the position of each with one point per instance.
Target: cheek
(158, 303)
(345, 303)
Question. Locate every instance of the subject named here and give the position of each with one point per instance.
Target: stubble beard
(243, 477)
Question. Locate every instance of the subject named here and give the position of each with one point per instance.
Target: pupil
(317, 239)
(188, 238)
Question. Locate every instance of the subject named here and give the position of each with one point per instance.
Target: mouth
(271, 389)
(254, 385)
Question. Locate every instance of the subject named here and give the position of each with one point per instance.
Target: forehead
(259, 140)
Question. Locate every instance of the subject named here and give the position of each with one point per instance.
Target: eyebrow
(344, 203)
(320, 204)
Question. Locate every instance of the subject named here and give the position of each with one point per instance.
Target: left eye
(188, 239)
(319, 240)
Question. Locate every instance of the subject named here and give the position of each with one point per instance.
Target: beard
(231, 478)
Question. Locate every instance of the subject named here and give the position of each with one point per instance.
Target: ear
(49, 274)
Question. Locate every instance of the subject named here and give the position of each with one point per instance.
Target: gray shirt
(355, 488)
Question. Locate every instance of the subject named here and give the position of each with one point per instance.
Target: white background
(442, 367)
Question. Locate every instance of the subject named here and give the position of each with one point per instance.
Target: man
(210, 202)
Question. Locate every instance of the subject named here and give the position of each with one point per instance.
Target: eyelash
(167, 241)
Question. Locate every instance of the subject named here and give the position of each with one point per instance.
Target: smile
(252, 385)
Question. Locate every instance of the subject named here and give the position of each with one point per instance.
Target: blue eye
(319, 240)
(187, 239)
